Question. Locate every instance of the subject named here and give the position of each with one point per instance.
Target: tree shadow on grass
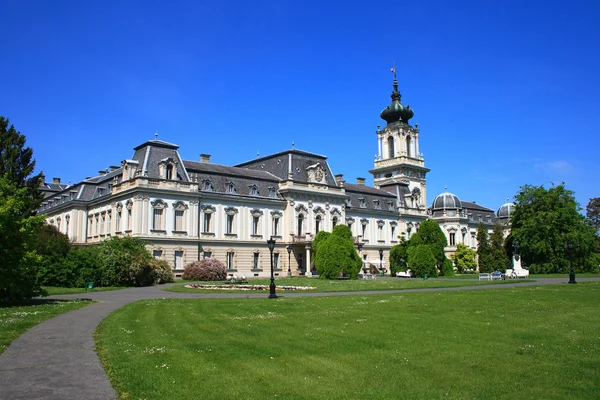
(38, 302)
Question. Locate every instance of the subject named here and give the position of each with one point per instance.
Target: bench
(485, 277)
(404, 274)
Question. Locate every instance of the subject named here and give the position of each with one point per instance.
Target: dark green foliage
(336, 254)
(484, 251)
(421, 260)
(17, 164)
(430, 233)
(399, 257)
(592, 211)
(53, 247)
(319, 239)
(18, 260)
(163, 272)
(498, 255)
(464, 258)
(544, 222)
(447, 268)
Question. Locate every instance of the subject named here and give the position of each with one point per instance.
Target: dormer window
(363, 202)
(253, 190)
(207, 185)
(169, 171)
(230, 188)
(377, 204)
(348, 202)
(390, 205)
(272, 192)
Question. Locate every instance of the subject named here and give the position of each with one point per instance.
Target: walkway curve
(56, 359)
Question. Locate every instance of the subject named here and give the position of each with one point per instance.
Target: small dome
(446, 201)
(505, 210)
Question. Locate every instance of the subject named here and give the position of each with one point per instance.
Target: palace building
(188, 209)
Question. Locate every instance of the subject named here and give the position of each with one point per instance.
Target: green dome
(396, 111)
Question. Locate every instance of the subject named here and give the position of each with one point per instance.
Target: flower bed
(247, 287)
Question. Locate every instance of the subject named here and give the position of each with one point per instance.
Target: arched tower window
(300, 222)
(317, 224)
(391, 146)
(408, 152)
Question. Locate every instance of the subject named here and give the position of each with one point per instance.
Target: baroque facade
(187, 209)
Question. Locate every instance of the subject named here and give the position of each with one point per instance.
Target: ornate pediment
(316, 174)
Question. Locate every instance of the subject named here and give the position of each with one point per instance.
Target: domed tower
(399, 164)
(446, 204)
(504, 212)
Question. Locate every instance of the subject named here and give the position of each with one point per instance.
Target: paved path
(56, 359)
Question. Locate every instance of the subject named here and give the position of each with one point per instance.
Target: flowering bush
(163, 271)
(209, 269)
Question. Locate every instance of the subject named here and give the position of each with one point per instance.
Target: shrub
(399, 257)
(209, 269)
(164, 274)
(337, 256)
(421, 260)
(447, 268)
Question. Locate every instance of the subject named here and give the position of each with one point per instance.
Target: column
(417, 145)
(308, 267)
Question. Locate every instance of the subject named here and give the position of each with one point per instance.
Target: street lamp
(572, 270)
(289, 250)
(271, 244)
(381, 260)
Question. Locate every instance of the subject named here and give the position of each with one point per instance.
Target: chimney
(360, 181)
(56, 181)
(101, 172)
(114, 168)
(205, 158)
(338, 178)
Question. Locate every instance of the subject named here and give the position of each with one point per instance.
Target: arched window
(317, 224)
(334, 222)
(391, 146)
(408, 152)
(169, 171)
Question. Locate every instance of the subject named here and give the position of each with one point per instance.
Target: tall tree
(484, 251)
(544, 222)
(431, 234)
(336, 254)
(399, 257)
(464, 258)
(593, 212)
(17, 163)
(498, 256)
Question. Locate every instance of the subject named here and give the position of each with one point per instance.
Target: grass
(14, 320)
(326, 285)
(526, 343)
(52, 290)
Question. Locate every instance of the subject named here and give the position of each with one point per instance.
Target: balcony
(402, 159)
(306, 238)
(144, 182)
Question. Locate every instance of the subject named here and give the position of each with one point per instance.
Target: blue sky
(505, 92)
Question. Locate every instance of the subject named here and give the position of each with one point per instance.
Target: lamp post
(381, 260)
(571, 270)
(289, 250)
(271, 244)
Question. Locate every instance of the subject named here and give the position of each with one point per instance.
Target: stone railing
(400, 160)
(143, 182)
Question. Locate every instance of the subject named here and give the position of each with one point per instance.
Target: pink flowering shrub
(209, 269)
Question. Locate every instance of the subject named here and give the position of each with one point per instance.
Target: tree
(484, 251)
(17, 163)
(18, 260)
(464, 258)
(336, 254)
(498, 258)
(430, 233)
(592, 211)
(421, 260)
(319, 239)
(53, 247)
(544, 222)
(399, 257)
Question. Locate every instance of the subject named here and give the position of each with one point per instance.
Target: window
(334, 222)
(276, 260)
(275, 225)
(364, 231)
(253, 190)
(207, 218)
(178, 259)
(390, 205)
(452, 239)
(158, 214)
(108, 220)
(377, 204)
(317, 224)
(169, 171)
(229, 260)
(391, 152)
(207, 185)
(272, 192)
(363, 202)
(89, 227)
(96, 224)
(230, 187)
(67, 221)
(58, 221)
(408, 143)
(380, 225)
(255, 224)
(229, 228)
(118, 217)
(393, 232)
(157, 254)
(255, 259)
(349, 222)
(300, 222)
(207, 255)
(179, 220)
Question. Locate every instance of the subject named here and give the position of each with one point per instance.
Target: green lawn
(518, 343)
(52, 291)
(15, 320)
(326, 285)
